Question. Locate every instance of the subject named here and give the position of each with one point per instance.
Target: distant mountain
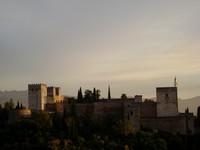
(191, 103)
(21, 96)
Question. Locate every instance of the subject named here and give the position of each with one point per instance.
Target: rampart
(169, 124)
(148, 109)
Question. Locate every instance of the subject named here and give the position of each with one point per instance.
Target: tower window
(166, 95)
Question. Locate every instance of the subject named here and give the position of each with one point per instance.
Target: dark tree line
(89, 96)
(70, 131)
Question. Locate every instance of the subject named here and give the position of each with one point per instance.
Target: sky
(133, 46)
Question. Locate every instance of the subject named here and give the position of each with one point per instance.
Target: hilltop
(22, 97)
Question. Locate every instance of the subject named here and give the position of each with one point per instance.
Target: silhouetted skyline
(131, 46)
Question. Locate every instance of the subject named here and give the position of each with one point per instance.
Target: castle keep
(39, 95)
(167, 101)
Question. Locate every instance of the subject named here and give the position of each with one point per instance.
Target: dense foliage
(71, 132)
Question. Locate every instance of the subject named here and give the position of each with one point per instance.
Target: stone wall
(132, 115)
(169, 124)
(114, 110)
(148, 109)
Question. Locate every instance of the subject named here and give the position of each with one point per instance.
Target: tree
(128, 127)
(94, 98)
(71, 121)
(17, 107)
(87, 119)
(197, 120)
(109, 95)
(148, 101)
(161, 144)
(9, 105)
(80, 96)
(123, 96)
(21, 107)
(98, 94)
(88, 96)
(198, 112)
(42, 120)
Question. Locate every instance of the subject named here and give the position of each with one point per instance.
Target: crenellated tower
(167, 101)
(37, 96)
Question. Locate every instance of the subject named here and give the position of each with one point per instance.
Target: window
(131, 113)
(166, 95)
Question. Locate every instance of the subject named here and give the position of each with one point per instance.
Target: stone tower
(37, 96)
(53, 94)
(167, 101)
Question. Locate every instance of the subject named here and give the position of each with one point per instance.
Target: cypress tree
(21, 107)
(81, 95)
(94, 95)
(78, 97)
(17, 107)
(109, 95)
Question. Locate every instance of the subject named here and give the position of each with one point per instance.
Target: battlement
(138, 98)
(50, 87)
(36, 85)
(166, 89)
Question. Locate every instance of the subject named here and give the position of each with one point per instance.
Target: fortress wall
(100, 110)
(168, 124)
(81, 108)
(112, 110)
(148, 109)
(132, 115)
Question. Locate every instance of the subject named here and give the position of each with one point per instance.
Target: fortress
(161, 115)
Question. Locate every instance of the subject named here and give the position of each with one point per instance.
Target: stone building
(164, 115)
(39, 95)
(155, 115)
(167, 101)
(54, 95)
(161, 115)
